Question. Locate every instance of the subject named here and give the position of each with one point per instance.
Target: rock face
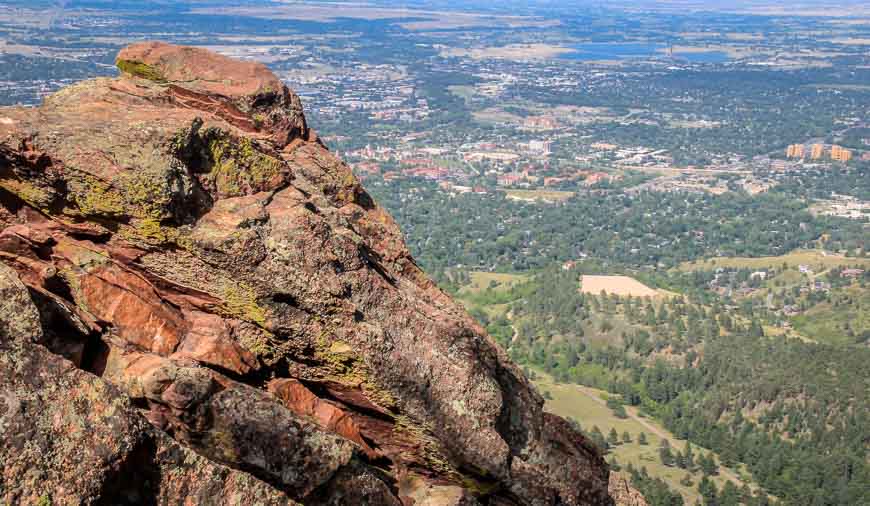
(203, 306)
(623, 493)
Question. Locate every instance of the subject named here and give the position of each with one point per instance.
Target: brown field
(429, 19)
(618, 285)
(539, 195)
(814, 258)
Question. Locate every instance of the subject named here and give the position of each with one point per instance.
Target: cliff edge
(201, 303)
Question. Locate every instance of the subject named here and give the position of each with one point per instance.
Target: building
(851, 273)
(541, 147)
(540, 122)
(510, 179)
(818, 150)
(840, 154)
(795, 151)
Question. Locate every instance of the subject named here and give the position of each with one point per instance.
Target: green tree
(707, 489)
(666, 456)
(612, 437)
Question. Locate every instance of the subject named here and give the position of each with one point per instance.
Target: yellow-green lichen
(148, 195)
(262, 345)
(259, 120)
(30, 193)
(346, 368)
(140, 69)
(97, 198)
(152, 231)
(240, 301)
(237, 166)
(431, 448)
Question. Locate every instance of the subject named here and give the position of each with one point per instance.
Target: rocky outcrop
(623, 493)
(198, 259)
(68, 437)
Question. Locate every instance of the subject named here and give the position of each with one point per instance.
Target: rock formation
(201, 305)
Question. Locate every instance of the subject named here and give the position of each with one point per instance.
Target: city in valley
(659, 210)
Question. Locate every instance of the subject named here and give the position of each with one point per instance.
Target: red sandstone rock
(187, 239)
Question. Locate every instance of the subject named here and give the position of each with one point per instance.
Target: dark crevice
(95, 356)
(256, 378)
(364, 200)
(374, 261)
(140, 403)
(335, 490)
(96, 238)
(59, 287)
(285, 298)
(135, 480)
(10, 201)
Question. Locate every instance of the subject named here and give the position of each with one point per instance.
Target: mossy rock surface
(141, 70)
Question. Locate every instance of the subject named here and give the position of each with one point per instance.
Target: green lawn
(826, 322)
(480, 282)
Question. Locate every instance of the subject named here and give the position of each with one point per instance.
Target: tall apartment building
(795, 151)
(840, 154)
(817, 152)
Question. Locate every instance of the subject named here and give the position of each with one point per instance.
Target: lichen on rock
(241, 319)
(140, 70)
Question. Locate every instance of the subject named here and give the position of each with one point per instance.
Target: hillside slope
(196, 258)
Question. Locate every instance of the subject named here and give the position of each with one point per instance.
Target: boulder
(192, 247)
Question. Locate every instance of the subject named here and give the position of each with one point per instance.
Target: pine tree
(612, 437)
(626, 437)
(641, 439)
(730, 495)
(598, 438)
(708, 465)
(666, 456)
(707, 489)
(689, 457)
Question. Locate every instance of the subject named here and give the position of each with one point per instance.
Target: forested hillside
(756, 354)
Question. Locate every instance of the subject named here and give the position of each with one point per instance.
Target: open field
(813, 258)
(618, 285)
(480, 281)
(827, 323)
(462, 91)
(412, 19)
(587, 406)
(535, 195)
